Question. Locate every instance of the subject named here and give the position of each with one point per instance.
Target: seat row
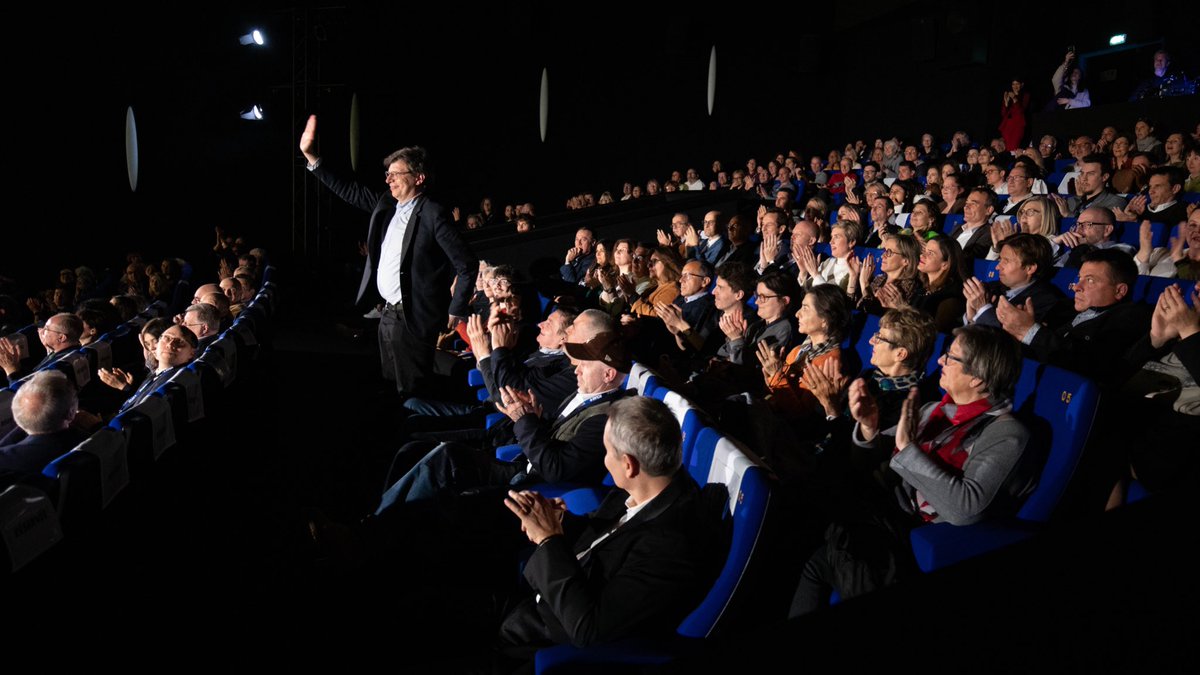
(75, 488)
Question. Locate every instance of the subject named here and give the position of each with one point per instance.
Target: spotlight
(254, 114)
(1117, 39)
(253, 37)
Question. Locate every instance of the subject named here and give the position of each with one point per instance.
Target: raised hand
(890, 297)
(308, 140)
(733, 327)
(1145, 242)
(866, 271)
(906, 428)
(478, 337)
(115, 378)
(826, 382)
(975, 295)
(672, 317)
(864, 409)
(10, 356)
(1001, 230)
(541, 518)
(1016, 319)
(768, 249)
(664, 239)
(771, 360)
(504, 334)
(691, 238)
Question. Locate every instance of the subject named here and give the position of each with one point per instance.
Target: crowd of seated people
(750, 317)
(82, 310)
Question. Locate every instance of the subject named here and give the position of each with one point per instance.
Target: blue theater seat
(1063, 410)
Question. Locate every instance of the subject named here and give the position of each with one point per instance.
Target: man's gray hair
(598, 320)
(45, 403)
(206, 314)
(70, 325)
(644, 428)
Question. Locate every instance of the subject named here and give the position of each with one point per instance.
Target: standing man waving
(414, 253)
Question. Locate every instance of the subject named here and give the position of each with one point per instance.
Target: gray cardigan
(997, 476)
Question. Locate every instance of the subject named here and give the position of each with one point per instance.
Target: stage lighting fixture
(1117, 39)
(254, 113)
(253, 37)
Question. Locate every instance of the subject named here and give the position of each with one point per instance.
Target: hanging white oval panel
(544, 104)
(712, 78)
(131, 149)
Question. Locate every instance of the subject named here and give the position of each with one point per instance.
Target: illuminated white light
(254, 114)
(254, 37)
(1117, 39)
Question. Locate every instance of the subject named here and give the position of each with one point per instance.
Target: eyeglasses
(1028, 212)
(887, 253)
(877, 337)
(1090, 223)
(51, 329)
(689, 274)
(173, 342)
(392, 175)
(950, 357)
(767, 297)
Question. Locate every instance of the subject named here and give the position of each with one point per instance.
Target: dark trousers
(404, 358)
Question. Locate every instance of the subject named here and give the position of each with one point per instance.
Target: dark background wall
(627, 83)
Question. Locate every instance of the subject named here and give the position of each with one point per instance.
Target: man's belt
(397, 307)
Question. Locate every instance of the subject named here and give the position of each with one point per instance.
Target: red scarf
(932, 438)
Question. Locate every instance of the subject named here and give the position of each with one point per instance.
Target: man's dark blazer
(147, 387)
(574, 271)
(746, 253)
(641, 580)
(434, 254)
(1046, 302)
(980, 242)
(549, 376)
(1092, 347)
(48, 359)
(579, 459)
(30, 454)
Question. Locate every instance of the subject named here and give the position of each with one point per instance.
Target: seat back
(28, 525)
(749, 496)
(637, 377)
(863, 344)
(1064, 278)
(1065, 403)
(985, 270)
(687, 416)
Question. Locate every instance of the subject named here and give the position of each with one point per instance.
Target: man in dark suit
(569, 448)
(1103, 327)
(974, 234)
(59, 335)
(176, 348)
(580, 257)
(635, 566)
(1026, 261)
(43, 409)
(740, 248)
(414, 253)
